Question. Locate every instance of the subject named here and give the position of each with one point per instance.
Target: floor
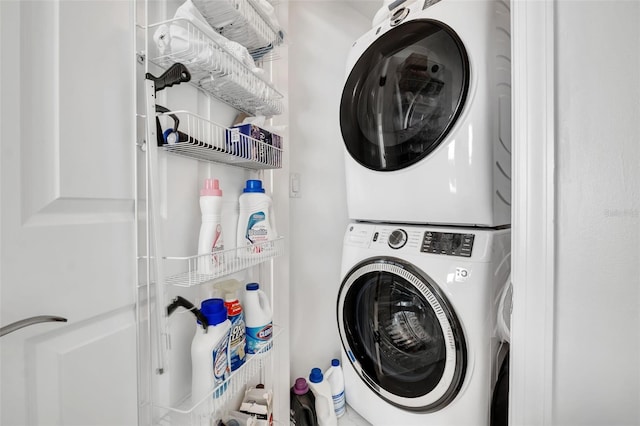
(352, 418)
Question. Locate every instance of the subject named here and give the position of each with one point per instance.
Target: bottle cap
(300, 387)
(253, 185)
(214, 311)
(253, 286)
(335, 362)
(211, 187)
(316, 375)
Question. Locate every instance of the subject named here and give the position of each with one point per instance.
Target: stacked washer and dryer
(425, 119)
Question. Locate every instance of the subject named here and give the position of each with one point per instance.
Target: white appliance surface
(466, 179)
(469, 284)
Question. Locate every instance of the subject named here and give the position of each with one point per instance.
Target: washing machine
(416, 314)
(425, 115)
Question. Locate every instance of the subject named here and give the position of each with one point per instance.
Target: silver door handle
(29, 321)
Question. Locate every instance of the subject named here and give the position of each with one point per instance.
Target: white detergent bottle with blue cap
(324, 402)
(256, 224)
(210, 352)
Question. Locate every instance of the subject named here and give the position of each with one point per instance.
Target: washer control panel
(448, 243)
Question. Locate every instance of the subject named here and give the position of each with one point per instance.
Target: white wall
(597, 317)
(320, 35)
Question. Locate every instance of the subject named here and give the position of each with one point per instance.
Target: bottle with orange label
(237, 337)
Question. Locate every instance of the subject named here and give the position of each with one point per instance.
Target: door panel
(63, 367)
(67, 212)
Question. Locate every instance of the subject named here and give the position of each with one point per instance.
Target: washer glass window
(401, 335)
(404, 95)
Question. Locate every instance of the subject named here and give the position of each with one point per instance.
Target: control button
(375, 237)
(397, 239)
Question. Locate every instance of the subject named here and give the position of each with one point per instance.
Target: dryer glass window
(394, 334)
(404, 95)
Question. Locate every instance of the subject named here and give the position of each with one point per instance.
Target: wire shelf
(242, 21)
(213, 66)
(197, 137)
(206, 267)
(200, 412)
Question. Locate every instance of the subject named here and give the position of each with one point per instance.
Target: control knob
(397, 239)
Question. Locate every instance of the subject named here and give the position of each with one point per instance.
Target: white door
(67, 212)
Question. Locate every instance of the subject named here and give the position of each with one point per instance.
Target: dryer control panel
(449, 243)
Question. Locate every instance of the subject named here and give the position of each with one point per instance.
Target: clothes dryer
(417, 315)
(425, 115)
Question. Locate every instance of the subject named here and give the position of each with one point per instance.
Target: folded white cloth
(175, 39)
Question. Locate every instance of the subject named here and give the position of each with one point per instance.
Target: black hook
(182, 302)
(176, 74)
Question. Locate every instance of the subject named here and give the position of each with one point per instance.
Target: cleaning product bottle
(324, 402)
(237, 339)
(210, 239)
(302, 405)
(256, 224)
(335, 377)
(258, 318)
(209, 351)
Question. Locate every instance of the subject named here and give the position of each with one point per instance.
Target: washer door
(404, 95)
(401, 334)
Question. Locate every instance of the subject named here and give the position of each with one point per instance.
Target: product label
(339, 403)
(220, 364)
(237, 339)
(257, 230)
(259, 338)
(217, 245)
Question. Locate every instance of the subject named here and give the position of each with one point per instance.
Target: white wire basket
(213, 66)
(217, 400)
(202, 268)
(199, 138)
(244, 22)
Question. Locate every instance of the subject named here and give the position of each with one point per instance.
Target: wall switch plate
(294, 185)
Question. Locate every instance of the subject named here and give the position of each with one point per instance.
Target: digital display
(448, 243)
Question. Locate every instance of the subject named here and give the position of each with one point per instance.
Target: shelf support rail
(176, 74)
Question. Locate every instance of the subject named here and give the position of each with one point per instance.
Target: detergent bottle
(256, 224)
(324, 402)
(209, 351)
(210, 238)
(303, 405)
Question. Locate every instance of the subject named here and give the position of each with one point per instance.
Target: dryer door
(404, 95)
(401, 334)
